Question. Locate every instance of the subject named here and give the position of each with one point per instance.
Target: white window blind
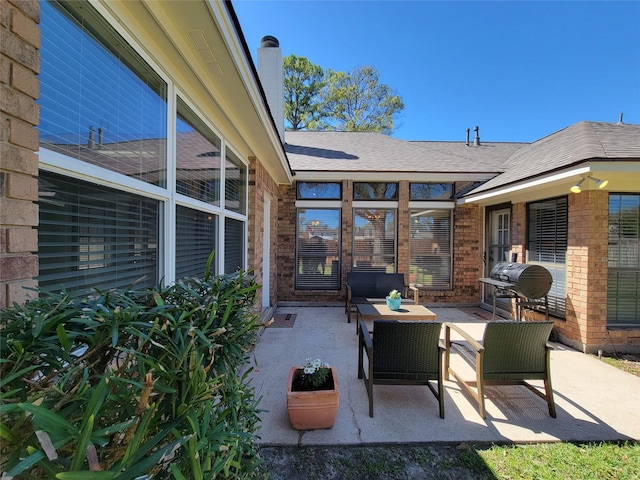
(234, 245)
(318, 249)
(374, 239)
(197, 157)
(90, 236)
(100, 104)
(547, 246)
(235, 184)
(623, 292)
(196, 234)
(430, 248)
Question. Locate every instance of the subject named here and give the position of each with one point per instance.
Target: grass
(620, 461)
(626, 362)
(565, 460)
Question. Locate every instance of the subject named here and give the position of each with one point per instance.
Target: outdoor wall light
(577, 188)
(600, 183)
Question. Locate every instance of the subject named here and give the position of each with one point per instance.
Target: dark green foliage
(135, 384)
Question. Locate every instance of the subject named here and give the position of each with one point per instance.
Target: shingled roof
(369, 151)
(510, 162)
(578, 143)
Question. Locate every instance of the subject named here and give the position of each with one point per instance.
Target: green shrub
(131, 384)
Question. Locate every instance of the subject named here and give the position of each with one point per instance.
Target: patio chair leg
(549, 395)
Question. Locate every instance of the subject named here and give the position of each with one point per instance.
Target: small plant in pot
(312, 395)
(315, 375)
(394, 300)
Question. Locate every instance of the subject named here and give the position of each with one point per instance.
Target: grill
(527, 284)
(531, 281)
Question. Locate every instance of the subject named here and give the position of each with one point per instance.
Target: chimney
(271, 73)
(476, 140)
(91, 143)
(620, 122)
(468, 130)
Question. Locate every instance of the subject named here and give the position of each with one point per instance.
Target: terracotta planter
(312, 410)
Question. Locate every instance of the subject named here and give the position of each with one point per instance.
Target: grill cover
(531, 281)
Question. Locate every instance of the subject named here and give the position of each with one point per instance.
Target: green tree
(303, 82)
(358, 102)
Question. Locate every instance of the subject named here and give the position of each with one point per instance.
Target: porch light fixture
(577, 188)
(600, 184)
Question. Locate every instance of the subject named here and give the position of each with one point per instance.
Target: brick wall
(467, 251)
(586, 323)
(585, 326)
(19, 66)
(261, 185)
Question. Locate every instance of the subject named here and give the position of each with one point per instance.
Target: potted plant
(312, 395)
(394, 300)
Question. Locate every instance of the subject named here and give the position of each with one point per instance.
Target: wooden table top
(380, 311)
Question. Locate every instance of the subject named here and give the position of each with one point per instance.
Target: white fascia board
(363, 176)
(522, 186)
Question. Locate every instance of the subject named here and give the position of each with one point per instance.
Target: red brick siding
(19, 66)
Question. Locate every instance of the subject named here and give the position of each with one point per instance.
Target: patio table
(380, 311)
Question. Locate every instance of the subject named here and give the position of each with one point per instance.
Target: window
(430, 248)
(105, 201)
(375, 191)
(430, 191)
(547, 246)
(318, 191)
(198, 152)
(623, 305)
(235, 184)
(90, 236)
(103, 106)
(234, 245)
(196, 234)
(318, 249)
(374, 239)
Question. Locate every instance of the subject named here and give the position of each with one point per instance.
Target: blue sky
(518, 70)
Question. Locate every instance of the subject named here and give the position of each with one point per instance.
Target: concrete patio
(594, 401)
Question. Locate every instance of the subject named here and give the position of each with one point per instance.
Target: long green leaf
(34, 458)
(87, 475)
(49, 422)
(144, 465)
(80, 455)
(7, 434)
(177, 474)
(9, 378)
(62, 336)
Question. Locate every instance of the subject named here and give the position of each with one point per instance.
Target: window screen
(99, 101)
(90, 236)
(623, 304)
(197, 157)
(318, 249)
(235, 184)
(318, 190)
(234, 245)
(374, 240)
(196, 234)
(375, 191)
(430, 248)
(547, 246)
(430, 191)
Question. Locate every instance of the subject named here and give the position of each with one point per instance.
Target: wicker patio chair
(402, 353)
(510, 353)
